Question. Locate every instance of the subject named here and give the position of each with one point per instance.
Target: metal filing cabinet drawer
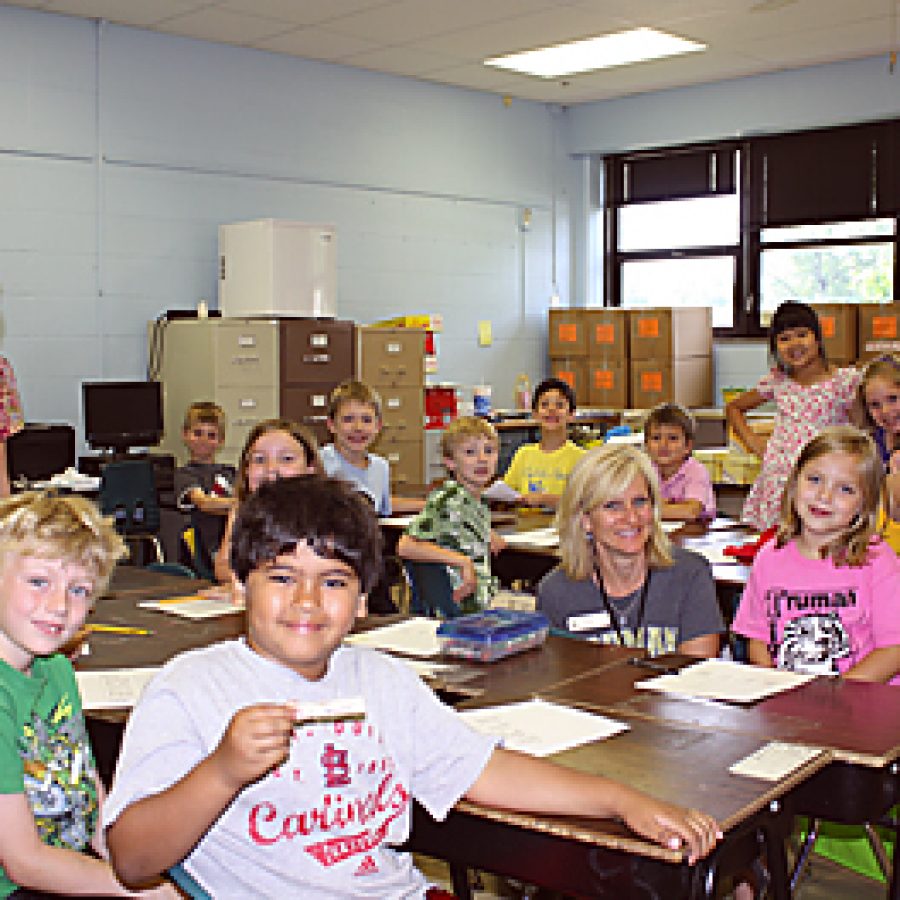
(246, 352)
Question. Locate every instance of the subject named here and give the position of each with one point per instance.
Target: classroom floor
(824, 880)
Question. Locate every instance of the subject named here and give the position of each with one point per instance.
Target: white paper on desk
(112, 688)
(670, 525)
(720, 679)
(535, 537)
(774, 761)
(427, 669)
(417, 637)
(501, 492)
(716, 556)
(197, 607)
(540, 728)
(396, 521)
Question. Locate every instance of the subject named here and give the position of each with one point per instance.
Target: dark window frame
(875, 146)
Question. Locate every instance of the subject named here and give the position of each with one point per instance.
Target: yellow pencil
(117, 629)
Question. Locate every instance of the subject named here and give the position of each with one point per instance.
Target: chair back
(128, 494)
(432, 593)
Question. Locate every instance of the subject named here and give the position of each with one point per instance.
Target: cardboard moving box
(567, 333)
(574, 373)
(687, 381)
(879, 329)
(839, 331)
(670, 332)
(607, 384)
(606, 332)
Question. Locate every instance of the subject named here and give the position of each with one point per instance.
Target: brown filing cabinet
(392, 361)
(315, 356)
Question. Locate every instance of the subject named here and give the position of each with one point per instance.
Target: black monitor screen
(122, 414)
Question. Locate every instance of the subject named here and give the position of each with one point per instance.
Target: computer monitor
(119, 415)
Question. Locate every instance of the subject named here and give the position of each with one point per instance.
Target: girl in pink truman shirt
(824, 596)
(809, 393)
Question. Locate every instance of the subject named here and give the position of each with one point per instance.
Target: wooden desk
(858, 723)
(601, 858)
(596, 857)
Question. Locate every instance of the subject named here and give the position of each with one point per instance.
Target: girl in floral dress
(11, 418)
(809, 395)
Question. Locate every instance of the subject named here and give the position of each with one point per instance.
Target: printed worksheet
(112, 688)
(775, 761)
(415, 637)
(540, 728)
(535, 537)
(197, 606)
(720, 679)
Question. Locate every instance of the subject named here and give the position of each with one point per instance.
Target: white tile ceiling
(445, 41)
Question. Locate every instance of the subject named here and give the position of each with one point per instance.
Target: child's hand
(673, 826)
(469, 581)
(257, 739)
(894, 463)
(498, 542)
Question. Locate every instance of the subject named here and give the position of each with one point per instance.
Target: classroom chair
(431, 591)
(128, 494)
(170, 568)
(187, 883)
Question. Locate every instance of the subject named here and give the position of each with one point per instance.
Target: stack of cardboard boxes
(858, 332)
(617, 358)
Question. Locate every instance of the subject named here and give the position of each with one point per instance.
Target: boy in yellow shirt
(539, 472)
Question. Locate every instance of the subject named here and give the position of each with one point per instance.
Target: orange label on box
(604, 379)
(829, 327)
(884, 326)
(568, 333)
(652, 382)
(605, 334)
(648, 328)
(567, 377)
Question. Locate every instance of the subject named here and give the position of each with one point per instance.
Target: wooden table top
(857, 722)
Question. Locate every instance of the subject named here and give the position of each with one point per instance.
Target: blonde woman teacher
(11, 418)
(620, 580)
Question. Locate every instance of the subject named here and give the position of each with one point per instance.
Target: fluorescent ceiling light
(603, 52)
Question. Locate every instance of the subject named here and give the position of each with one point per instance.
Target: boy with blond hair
(217, 771)
(204, 487)
(354, 420)
(454, 528)
(56, 556)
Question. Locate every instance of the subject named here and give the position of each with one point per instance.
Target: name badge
(588, 621)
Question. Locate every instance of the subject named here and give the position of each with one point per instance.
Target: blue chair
(128, 494)
(170, 568)
(432, 593)
(180, 876)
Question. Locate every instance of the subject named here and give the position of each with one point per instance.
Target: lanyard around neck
(611, 612)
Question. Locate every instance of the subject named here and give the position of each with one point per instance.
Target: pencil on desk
(117, 629)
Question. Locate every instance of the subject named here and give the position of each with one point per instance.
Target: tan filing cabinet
(392, 361)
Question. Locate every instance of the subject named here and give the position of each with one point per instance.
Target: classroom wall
(122, 151)
(841, 93)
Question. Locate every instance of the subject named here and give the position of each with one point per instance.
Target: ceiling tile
(139, 14)
(401, 60)
(316, 43)
(300, 12)
(214, 24)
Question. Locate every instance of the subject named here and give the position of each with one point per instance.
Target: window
(742, 227)
(844, 262)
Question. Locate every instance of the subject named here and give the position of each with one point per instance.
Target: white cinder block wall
(122, 151)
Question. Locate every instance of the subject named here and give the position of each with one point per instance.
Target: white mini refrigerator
(276, 267)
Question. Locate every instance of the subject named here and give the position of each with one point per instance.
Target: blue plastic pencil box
(493, 634)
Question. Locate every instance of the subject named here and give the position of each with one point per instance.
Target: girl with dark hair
(809, 394)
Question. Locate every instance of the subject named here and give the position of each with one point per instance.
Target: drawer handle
(244, 360)
(318, 340)
(317, 358)
(247, 403)
(244, 422)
